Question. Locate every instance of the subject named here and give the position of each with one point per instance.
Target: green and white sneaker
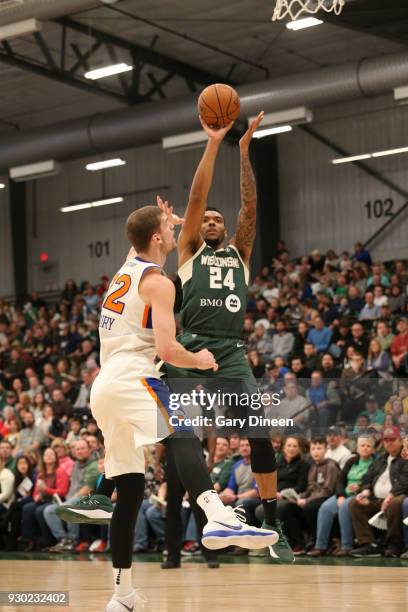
(280, 552)
(93, 509)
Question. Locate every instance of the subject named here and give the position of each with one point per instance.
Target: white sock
(211, 504)
(122, 581)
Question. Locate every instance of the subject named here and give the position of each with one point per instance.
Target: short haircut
(319, 440)
(141, 225)
(214, 209)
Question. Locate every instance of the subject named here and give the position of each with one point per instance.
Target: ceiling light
(353, 158)
(270, 131)
(300, 24)
(91, 204)
(106, 163)
(390, 152)
(100, 73)
(2, 185)
(34, 171)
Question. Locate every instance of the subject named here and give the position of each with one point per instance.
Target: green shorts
(228, 352)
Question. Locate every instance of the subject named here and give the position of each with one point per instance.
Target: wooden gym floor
(238, 587)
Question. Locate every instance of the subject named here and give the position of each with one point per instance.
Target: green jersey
(215, 286)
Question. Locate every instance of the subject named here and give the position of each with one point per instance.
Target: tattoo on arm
(246, 228)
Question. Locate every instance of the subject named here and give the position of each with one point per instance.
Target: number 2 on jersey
(112, 301)
(216, 281)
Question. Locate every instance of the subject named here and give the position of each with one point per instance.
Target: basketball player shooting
(132, 405)
(212, 273)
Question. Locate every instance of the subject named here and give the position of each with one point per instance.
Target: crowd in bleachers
(328, 332)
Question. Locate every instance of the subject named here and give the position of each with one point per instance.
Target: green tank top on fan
(215, 286)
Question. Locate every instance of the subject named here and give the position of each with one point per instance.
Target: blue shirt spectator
(360, 254)
(320, 335)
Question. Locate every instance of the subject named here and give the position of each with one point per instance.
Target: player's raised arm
(158, 292)
(190, 239)
(246, 227)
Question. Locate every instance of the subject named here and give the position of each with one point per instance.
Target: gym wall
(85, 244)
(332, 206)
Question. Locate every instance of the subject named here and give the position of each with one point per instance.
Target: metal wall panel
(6, 257)
(67, 237)
(325, 206)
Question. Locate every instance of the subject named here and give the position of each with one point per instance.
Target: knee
(49, 511)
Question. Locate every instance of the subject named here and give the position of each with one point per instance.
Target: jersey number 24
(217, 282)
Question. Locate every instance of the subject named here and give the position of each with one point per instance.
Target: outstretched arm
(189, 239)
(246, 227)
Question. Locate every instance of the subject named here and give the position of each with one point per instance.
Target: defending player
(131, 403)
(215, 280)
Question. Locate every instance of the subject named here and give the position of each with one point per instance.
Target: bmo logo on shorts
(233, 303)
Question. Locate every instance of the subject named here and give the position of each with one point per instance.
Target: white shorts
(131, 412)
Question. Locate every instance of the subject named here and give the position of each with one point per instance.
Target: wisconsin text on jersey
(220, 262)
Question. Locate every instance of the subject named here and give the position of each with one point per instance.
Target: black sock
(269, 506)
(106, 487)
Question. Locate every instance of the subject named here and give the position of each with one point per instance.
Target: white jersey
(125, 325)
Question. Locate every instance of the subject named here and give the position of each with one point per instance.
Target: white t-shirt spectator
(340, 454)
(383, 485)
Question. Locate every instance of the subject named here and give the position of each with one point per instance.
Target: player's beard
(215, 243)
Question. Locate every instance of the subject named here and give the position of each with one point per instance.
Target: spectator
(348, 485)
(6, 455)
(283, 341)
(335, 447)
(397, 301)
(256, 364)
(83, 479)
(370, 311)
(372, 412)
(379, 298)
(322, 477)
(31, 436)
(74, 434)
(358, 340)
(292, 406)
(82, 402)
(361, 254)
(52, 480)
(223, 464)
(23, 488)
(328, 367)
(292, 468)
(298, 367)
(320, 335)
(384, 488)
(241, 488)
(300, 338)
(399, 348)
(6, 488)
(311, 358)
(384, 336)
(64, 460)
(379, 360)
(325, 400)
(355, 301)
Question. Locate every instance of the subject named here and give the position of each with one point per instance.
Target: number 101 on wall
(99, 249)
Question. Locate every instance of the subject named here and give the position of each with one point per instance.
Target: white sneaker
(405, 521)
(132, 603)
(229, 529)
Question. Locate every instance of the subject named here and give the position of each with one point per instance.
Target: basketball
(218, 105)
